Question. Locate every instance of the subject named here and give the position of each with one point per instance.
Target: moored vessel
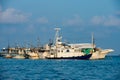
(62, 50)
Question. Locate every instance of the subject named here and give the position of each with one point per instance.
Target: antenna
(8, 47)
(57, 31)
(38, 42)
(57, 34)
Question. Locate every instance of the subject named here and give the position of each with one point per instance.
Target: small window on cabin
(3, 49)
(58, 50)
(52, 54)
(67, 50)
(58, 40)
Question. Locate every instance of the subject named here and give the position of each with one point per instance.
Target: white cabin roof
(82, 45)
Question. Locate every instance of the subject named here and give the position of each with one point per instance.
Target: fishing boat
(6, 52)
(8, 56)
(62, 50)
(3, 52)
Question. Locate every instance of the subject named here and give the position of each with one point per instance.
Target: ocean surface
(27, 69)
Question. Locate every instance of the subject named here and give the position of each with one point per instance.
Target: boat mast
(56, 40)
(92, 40)
(38, 42)
(8, 47)
(56, 35)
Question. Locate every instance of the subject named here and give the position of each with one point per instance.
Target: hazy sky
(23, 21)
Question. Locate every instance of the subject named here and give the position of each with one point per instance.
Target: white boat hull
(19, 57)
(8, 56)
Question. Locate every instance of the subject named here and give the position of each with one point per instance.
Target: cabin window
(52, 54)
(58, 50)
(3, 49)
(58, 40)
(67, 50)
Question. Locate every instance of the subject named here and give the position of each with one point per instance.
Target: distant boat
(3, 52)
(19, 56)
(8, 56)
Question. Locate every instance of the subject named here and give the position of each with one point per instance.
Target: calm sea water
(26, 69)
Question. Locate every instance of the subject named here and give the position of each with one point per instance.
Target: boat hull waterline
(86, 57)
